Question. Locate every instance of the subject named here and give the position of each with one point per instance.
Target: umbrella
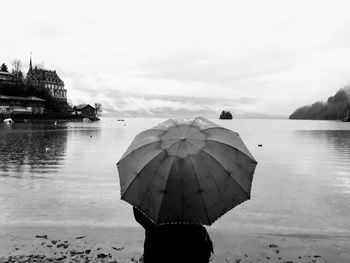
(186, 171)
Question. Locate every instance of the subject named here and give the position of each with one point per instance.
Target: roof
(7, 76)
(6, 73)
(82, 106)
(44, 75)
(30, 98)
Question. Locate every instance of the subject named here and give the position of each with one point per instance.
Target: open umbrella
(186, 171)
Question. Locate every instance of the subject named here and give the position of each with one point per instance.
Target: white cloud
(278, 54)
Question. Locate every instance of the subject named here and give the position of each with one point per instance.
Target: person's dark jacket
(180, 243)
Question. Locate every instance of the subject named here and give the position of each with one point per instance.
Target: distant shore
(49, 117)
(125, 244)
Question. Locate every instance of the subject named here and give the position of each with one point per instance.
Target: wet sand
(65, 244)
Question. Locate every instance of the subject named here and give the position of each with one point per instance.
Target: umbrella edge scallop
(153, 137)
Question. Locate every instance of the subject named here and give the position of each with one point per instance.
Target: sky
(185, 58)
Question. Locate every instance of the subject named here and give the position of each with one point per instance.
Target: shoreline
(48, 117)
(49, 120)
(125, 244)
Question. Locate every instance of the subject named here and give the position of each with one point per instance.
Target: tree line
(19, 87)
(225, 115)
(22, 89)
(16, 70)
(335, 108)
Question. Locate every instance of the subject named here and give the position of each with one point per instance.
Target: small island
(225, 115)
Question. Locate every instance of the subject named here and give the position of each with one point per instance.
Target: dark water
(66, 175)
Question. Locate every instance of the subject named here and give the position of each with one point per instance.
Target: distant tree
(20, 76)
(335, 108)
(24, 90)
(70, 103)
(98, 110)
(17, 66)
(4, 68)
(225, 115)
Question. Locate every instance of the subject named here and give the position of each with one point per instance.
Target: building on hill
(47, 79)
(20, 105)
(6, 77)
(85, 110)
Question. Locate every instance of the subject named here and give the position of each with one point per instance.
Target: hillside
(23, 90)
(335, 108)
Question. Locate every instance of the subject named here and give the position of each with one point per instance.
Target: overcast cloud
(163, 58)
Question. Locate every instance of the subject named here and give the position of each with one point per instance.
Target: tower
(30, 63)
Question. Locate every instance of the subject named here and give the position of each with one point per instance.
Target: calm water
(66, 175)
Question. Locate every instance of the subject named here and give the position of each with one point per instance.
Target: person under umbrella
(174, 242)
(179, 176)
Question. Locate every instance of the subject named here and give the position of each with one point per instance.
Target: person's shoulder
(197, 228)
(183, 229)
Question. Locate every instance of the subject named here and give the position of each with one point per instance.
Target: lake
(66, 175)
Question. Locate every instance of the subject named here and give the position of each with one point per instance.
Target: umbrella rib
(140, 172)
(205, 207)
(182, 188)
(161, 202)
(250, 157)
(189, 125)
(154, 129)
(147, 144)
(182, 195)
(142, 169)
(167, 183)
(217, 187)
(216, 127)
(223, 168)
(149, 188)
(199, 131)
(209, 170)
(175, 141)
(244, 191)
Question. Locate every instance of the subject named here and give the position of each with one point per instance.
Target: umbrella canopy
(186, 171)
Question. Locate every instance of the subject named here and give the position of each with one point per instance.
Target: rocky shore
(122, 244)
(57, 250)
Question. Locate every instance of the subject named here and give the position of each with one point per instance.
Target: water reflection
(329, 150)
(64, 155)
(27, 150)
(301, 184)
(336, 159)
(333, 146)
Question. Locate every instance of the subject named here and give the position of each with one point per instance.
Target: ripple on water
(63, 175)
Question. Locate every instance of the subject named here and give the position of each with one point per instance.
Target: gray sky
(175, 57)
